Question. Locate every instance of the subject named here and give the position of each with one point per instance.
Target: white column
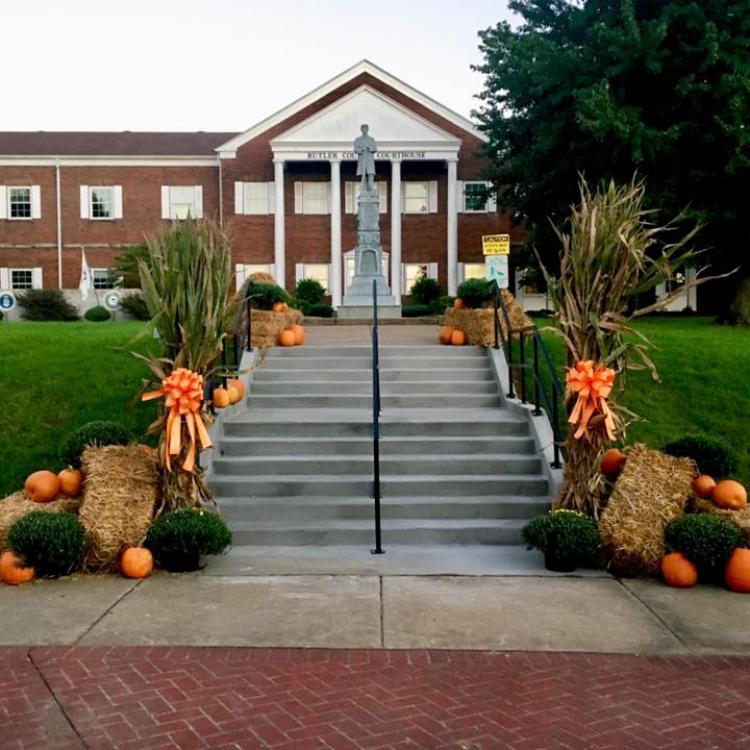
(396, 230)
(452, 239)
(336, 264)
(279, 243)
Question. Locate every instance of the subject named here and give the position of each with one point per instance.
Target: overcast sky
(221, 64)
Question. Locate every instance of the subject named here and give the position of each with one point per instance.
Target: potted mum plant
(568, 538)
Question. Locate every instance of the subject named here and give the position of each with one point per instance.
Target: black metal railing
(547, 389)
(376, 420)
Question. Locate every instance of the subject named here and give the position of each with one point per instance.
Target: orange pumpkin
(136, 562)
(299, 334)
(278, 306)
(459, 304)
(42, 486)
(234, 394)
(458, 338)
(612, 463)
(678, 571)
(286, 307)
(730, 495)
(71, 481)
(704, 486)
(286, 337)
(221, 398)
(238, 385)
(12, 571)
(737, 571)
(445, 334)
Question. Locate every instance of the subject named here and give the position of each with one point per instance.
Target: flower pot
(558, 563)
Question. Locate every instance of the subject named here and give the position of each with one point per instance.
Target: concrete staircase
(458, 467)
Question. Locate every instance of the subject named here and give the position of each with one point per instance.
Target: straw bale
(262, 278)
(478, 325)
(17, 505)
(652, 490)
(119, 496)
(267, 325)
(740, 518)
(518, 318)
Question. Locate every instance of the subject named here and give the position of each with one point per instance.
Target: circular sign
(112, 300)
(7, 301)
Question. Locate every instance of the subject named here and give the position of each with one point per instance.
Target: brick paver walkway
(221, 698)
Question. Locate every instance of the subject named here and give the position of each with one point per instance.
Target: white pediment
(391, 124)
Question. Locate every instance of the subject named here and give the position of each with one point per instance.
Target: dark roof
(46, 143)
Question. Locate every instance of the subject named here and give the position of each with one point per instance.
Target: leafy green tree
(125, 265)
(606, 88)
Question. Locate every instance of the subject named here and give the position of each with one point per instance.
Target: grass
(54, 377)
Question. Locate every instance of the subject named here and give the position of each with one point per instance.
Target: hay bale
(478, 324)
(17, 505)
(652, 490)
(119, 496)
(262, 278)
(267, 325)
(740, 518)
(518, 318)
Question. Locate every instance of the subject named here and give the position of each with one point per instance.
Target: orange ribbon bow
(593, 384)
(184, 392)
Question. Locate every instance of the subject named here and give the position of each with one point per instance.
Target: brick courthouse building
(286, 188)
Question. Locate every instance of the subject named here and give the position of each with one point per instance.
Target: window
(21, 278)
(19, 204)
(177, 201)
(243, 271)
(416, 197)
(103, 279)
(476, 197)
(312, 197)
(256, 197)
(318, 271)
(351, 192)
(102, 203)
(474, 271)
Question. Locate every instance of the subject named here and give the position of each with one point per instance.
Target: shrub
(97, 314)
(415, 311)
(46, 304)
(740, 307)
(706, 540)
(425, 291)
(309, 291)
(93, 433)
(264, 295)
(474, 292)
(125, 265)
(2, 315)
(441, 304)
(52, 543)
(319, 311)
(135, 306)
(178, 539)
(565, 534)
(714, 456)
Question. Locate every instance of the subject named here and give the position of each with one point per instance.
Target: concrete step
(355, 446)
(396, 531)
(273, 485)
(292, 509)
(327, 465)
(437, 350)
(353, 387)
(363, 363)
(333, 400)
(279, 373)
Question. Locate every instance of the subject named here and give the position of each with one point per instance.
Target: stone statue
(365, 148)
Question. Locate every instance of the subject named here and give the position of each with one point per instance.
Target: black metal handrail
(552, 396)
(376, 419)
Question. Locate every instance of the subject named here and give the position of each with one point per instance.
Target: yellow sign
(496, 244)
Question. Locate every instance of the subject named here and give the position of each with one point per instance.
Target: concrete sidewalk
(513, 613)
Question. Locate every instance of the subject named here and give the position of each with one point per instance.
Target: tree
(606, 88)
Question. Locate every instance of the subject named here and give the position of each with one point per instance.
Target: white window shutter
(328, 198)
(460, 273)
(491, 199)
(165, 207)
(199, 201)
(239, 198)
(460, 198)
(4, 278)
(432, 271)
(36, 202)
(36, 278)
(271, 197)
(349, 189)
(3, 202)
(299, 272)
(383, 196)
(117, 194)
(432, 196)
(297, 197)
(239, 270)
(272, 270)
(404, 290)
(85, 201)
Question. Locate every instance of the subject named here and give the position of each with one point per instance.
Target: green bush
(309, 291)
(52, 543)
(179, 539)
(135, 306)
(46, 304)
(263, 296)
(565, 534)
(319, 311)
(441, 304)
(97, 314)
(125, 266)
(93, 433)
(714, 456)
(415, 311)
(424, 291)
(2, 315)
(706, 540)
(474, 292)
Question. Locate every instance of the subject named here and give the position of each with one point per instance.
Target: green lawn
(54, 377)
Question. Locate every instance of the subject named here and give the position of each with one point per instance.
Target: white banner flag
(87, 281)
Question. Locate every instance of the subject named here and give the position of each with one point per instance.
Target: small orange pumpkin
(221, 398)
(12, 570)
(704, 486)
(286, 337)
(678, 571)
(613, 462)
(445, 334)
(737, 571)
(42, 486)
(458, 338)
(71, 481)
(730, 495)
(459, 304)
(238, 385)
(299, 334)
(278, 306)
(234, 394)
(136, 562)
